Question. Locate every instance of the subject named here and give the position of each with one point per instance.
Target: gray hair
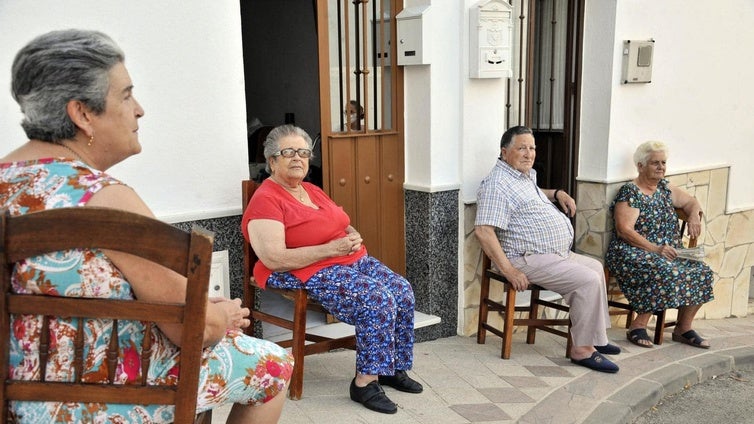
(272, 142)
(645, 149)
(55, 68)
(511, 132)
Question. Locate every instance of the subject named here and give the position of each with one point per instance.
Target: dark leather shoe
(373, 397)
(401, 381)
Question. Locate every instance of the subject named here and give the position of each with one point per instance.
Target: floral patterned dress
(649, 281)
(238, 369)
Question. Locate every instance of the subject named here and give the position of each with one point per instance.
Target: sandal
(691, 338)
(639, 335)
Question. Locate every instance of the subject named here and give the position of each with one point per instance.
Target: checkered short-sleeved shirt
(525, 221)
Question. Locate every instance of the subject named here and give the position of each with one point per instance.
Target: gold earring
(91, 140)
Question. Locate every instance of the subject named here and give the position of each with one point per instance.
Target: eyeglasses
(290, 152)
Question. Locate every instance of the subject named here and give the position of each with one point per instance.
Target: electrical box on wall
(411, 28)
(491, 32)
(637, 61)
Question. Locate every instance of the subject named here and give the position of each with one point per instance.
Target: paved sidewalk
(466, 382)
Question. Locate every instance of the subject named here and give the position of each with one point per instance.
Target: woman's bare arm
(267, 238)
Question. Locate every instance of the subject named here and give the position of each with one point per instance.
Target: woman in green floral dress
(643, 255)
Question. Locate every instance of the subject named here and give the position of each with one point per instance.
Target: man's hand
(566, 203)
(517, 279)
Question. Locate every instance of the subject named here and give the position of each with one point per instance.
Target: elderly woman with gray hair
(642, 254)
(304, 240)
(81, 118)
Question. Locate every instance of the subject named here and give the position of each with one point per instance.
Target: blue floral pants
(372, 298)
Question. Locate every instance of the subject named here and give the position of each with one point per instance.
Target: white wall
(185, 59)
(700, 99)
(483, 116)
(433, 104)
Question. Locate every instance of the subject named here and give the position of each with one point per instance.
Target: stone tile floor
(469, 383)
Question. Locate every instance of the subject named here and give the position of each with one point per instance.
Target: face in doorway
(353, 112)
(520, 153)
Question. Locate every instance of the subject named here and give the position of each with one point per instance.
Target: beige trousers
(581, 281)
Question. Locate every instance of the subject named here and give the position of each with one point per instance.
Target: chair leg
(531, 330)
(660, 327)
(629, 318)
(299, 341)
(484, 293)
(510, 315)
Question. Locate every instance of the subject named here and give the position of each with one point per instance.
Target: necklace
(300, 193)
(71, 150)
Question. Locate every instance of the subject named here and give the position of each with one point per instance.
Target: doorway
(310, 62)
(544, 92)
(281, 82)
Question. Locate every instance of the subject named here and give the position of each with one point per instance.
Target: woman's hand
(355, 238)
(694, 226)
(346, 245)
(236, 315)
(666, 251)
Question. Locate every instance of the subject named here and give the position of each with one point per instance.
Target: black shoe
(597, 362)
(373, 397)
(608, 349)
(401, 381)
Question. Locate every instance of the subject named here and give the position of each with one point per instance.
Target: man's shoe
(597, 362)
(401, 381)
(608, 349)
(373, 397)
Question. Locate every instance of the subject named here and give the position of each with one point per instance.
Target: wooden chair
(624, 308)
(66, 228)
(301, 303)
(508, 309)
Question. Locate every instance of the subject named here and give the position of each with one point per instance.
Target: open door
(543, 93)
(361, 103)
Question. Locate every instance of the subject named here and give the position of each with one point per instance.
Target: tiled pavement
(468, 383)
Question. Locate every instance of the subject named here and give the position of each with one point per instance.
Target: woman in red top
(304, 240)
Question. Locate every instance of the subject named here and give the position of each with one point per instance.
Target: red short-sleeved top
(304, 226)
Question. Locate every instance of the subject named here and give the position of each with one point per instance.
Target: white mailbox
(637, 61)
(411, 26)
(491, 32)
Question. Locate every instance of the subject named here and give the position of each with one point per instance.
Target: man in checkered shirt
(529, 240)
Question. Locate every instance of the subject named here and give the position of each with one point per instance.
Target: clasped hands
(235, 313)
(347, 245)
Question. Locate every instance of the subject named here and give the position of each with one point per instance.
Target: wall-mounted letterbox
(411, 28)
(637, 61)
(490, 38)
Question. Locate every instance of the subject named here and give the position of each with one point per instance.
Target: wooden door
(362, 161)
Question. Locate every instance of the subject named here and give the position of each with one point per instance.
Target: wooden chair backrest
(683, 217)
(189, 254)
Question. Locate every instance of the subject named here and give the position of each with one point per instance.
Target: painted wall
(699, 101)
(185, 59)
(433, 103)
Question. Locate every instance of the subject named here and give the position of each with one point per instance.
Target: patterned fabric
(374, 299)
(238, 369)
(649, 281)
(525, 221)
